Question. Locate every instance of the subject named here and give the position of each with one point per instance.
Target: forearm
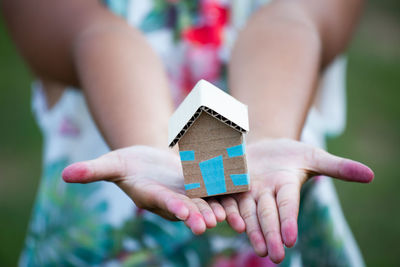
(276, 65)
(124, 84)
(80, 43)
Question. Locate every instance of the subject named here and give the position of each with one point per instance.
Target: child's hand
(278, 168)
(153, 179)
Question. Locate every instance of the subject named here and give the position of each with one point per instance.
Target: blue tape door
(212, 171)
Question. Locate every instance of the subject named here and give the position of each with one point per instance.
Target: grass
(372, 136)
(20, 151)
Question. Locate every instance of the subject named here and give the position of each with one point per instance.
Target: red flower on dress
(213, 18)
(244, 259)
(204, 40)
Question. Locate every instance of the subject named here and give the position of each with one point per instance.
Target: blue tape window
(240, 179)
(212, 171)
(235, 151)
(192, 186)
(186, 155)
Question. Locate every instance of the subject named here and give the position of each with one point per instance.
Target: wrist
(261, 132)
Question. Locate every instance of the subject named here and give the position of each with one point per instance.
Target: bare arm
(279, 56)
(275, 67)
(80, 43)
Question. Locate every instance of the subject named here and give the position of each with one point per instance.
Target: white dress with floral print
(98, 225)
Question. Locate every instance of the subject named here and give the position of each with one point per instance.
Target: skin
(278, 58)
(268, 212)
(275, 68)
(92, 49)
(278, 169)
(155, 187)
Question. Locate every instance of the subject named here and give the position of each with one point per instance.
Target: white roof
(208, 98)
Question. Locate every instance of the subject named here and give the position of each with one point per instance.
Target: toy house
(209, 128)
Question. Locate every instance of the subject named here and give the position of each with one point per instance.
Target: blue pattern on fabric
(192, 186)
(186, 155)
(235, 151)
(212, 171)
(118, 7)
(240, 179)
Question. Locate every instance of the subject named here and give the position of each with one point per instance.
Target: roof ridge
(212, 100)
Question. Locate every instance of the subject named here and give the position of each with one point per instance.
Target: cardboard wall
(209, 138)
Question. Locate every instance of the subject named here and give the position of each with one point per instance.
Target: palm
(153, 179)
(278, 169)
(148, 167)
(268, 212)
(273, 165)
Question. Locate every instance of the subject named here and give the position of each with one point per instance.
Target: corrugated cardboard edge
(208, 98)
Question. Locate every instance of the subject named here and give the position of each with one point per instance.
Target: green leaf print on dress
(66, 220)
(69, 227)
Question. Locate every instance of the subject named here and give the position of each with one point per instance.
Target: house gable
(206, 97)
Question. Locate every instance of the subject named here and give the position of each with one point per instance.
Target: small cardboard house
(209, 127)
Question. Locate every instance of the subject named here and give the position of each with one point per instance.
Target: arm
(81, 43)
(275, 67)
(279, 56)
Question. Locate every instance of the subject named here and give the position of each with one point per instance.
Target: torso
(97, 224)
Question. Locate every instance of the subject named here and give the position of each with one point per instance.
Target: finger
(169, 204)
(268, 219)
(232, 214)
(182, 207)
(196, 222)
(345, 169)
(105, 167)
(248, 211)
(157, 199)
(218, 210)
(288, 200)
(206, 211)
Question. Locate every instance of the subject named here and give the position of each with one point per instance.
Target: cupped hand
(278, 168)
(153, 179)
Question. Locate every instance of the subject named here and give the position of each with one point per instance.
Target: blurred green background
(372, 136)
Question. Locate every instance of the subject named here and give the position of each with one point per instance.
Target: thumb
(345, 169)
(106, 167)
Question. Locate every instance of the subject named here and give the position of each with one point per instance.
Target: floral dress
(98, 225)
